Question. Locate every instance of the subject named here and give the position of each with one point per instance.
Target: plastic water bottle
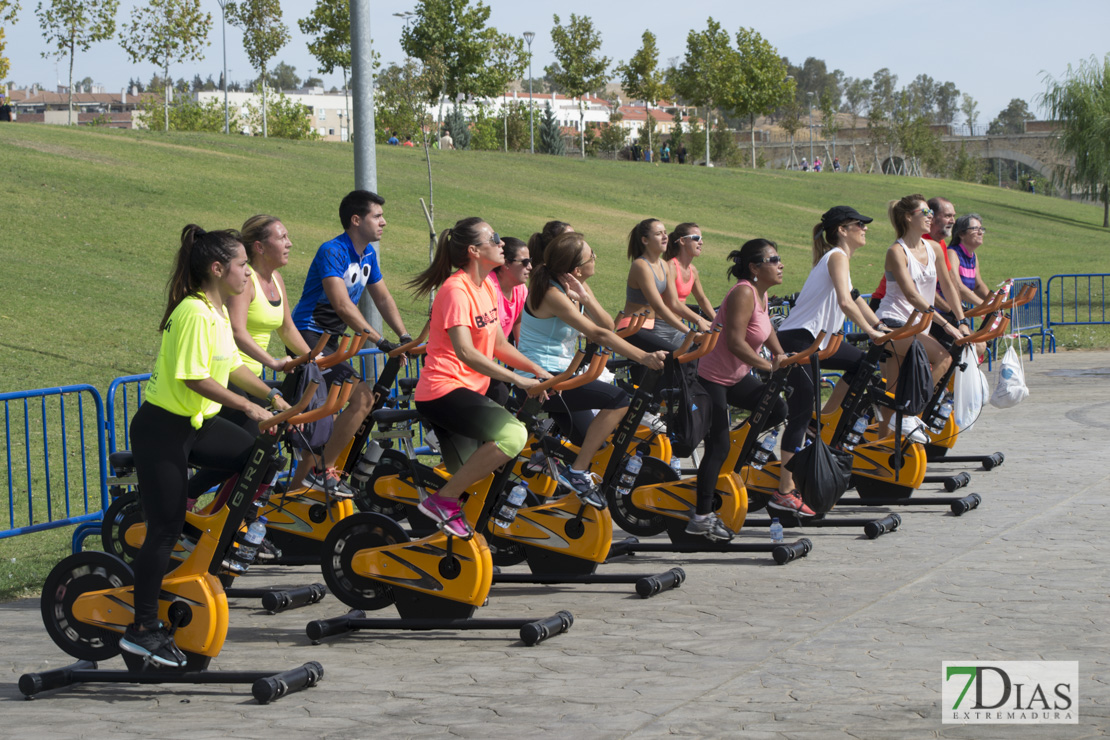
(854, 437)
(364, 468)
(765, 449)
(631, 472)
(506, 514)
(243, 555)
(776, 531)
(676, 466)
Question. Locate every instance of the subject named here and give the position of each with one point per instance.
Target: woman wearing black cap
(826, 298)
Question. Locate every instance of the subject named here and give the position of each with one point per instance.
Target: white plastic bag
(1011, 389)
(969, 391)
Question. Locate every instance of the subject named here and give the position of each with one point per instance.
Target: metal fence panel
(55, 456)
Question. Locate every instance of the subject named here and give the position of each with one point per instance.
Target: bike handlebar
(290, 412)
(311, 354)
(917, 323)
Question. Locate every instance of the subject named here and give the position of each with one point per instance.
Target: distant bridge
(1036, 150)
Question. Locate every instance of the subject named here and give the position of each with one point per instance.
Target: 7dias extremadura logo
(1022, 692)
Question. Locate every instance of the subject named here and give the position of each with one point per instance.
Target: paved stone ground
(846, 643)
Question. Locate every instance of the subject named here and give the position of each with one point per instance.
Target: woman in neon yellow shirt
(177, 425)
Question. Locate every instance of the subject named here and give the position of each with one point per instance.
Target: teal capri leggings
(464, 420)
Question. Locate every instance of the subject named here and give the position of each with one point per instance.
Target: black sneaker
(268, 552)
(156, 646)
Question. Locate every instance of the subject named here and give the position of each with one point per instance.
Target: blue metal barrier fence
(50, 446)
(1076, 300)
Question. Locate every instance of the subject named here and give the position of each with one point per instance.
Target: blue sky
(991, 49)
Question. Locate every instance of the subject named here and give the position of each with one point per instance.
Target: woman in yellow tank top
(262, 308)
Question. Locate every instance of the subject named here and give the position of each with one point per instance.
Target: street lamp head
(528, 36)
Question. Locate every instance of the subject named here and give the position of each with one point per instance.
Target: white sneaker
(914, 430)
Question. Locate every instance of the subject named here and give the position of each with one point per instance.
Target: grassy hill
(92, 219)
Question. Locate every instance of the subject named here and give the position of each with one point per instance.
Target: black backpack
(915, 381)
(688, 413)
(314, 435)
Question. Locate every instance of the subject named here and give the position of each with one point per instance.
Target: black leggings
(847, 358)
(165, 445)
(660, 337)
(573, 410)
(745, 394)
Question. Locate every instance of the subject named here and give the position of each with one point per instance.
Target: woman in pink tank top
(725, 373)
(683, 245)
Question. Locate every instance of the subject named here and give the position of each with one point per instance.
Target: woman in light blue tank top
(560, 307)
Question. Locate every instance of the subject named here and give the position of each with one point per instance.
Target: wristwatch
(274, 393)
(964, 322)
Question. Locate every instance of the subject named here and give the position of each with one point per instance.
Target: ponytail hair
(825, 237)
(684, 229)
(635, 237)
(749, 254)
(256, 229)
(564, 254)
(191, 270)
(538, 242)
(899, 209)
(452, 252)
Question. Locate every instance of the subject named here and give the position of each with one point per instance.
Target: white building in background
(327, 111)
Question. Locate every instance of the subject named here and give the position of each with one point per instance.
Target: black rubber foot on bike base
(879, 527)
(536, 632)
(650, 585)
(271, 688)
(967, 503)
(785, 553)
(278, 601)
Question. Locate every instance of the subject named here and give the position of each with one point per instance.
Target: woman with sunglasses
(967, 238)
(511, 279)
(464, 347)
(560, 307)
(911, 279)
(726, 375)
(650, 287)
(683, 245)
(826, 298)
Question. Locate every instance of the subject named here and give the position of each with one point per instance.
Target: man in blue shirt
(340, 271)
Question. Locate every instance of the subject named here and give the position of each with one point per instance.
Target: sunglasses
(526, 262)
(975, 230)
(593, 258)
(494, 239)
(692, 237)
(772, 260)
(860, 224)
(926, 212)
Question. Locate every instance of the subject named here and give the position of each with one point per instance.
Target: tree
(761, 83)
(790, 122)
(857, 93)
(579, 67)
(263, 36)
(163, 32)
(454, 35)
(948, 103)
(1081, 103)
(330, 26)
(708, 72)
(1012, 119)
(399, 102)
(970, 109)
(922, 95)
(283, 77)
(613, 137)
(287, 119)
(9, 9)
(828, 118)
(642, 79)
(70, 26)
(551, 134)
(882, 106)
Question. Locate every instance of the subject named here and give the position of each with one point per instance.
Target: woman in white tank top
(912, 279)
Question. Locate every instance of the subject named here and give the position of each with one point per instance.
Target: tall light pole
(809, 101)
(223, 23)
(528, 36)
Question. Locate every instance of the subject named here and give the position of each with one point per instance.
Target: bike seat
(122, 461)
(386, 417)
(406, 385)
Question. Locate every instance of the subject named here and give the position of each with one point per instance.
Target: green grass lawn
(92, 219)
